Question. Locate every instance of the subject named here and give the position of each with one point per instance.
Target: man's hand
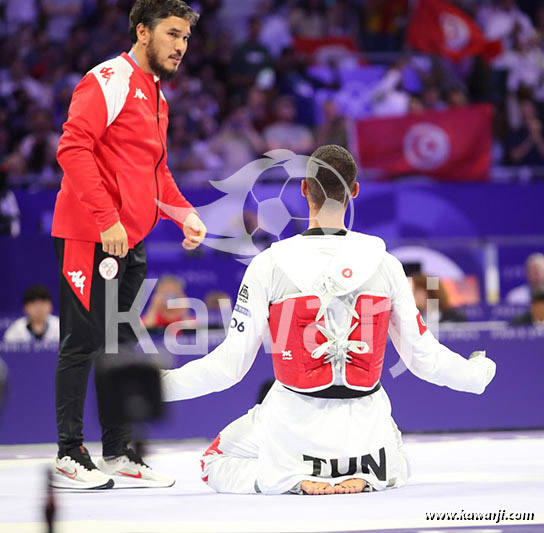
(115, 240)
(194, 230)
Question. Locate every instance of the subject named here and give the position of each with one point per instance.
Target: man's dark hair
(35, 293)
(151, 12)
(328, 184)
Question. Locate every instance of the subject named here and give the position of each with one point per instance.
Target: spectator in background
(249, 60)
(76, 44)
(415, 105)
(5, 137)
(61, 16)
(333, 128)
(388, 96)
(384, 20)
(524, 65)
(457, 98)
(432, 99)
(340, 19)
(19, 79)
(526, 144)
(158, 316)
(237, 143)
(9, 209)
(63, 96)
(18, 13)
(181, 156)
(258, 108)
(109, 34)
(39, 148)
(539, 17)
(308, 19)
(285, 133)
(422, 295)
(501, 20)
(294, 78)
(535, 315)
(275, 34)
(534, 268)
(214, 301)
(38, 324)
(208, 160)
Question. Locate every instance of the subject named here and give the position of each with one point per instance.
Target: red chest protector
(295, 336)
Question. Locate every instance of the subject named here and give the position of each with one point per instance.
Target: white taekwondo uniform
(328, 300)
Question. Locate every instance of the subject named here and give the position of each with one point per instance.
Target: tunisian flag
(438, 27)
(453, 145)
(321, 49)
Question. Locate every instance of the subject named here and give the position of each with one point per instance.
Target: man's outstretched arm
(424, 356)
(230, 361)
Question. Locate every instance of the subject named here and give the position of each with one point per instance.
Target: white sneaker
(77, 471)
(129, 471)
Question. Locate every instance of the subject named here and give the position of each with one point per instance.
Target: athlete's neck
(138, 51)
(326, 219)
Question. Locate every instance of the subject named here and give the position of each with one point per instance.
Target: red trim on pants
(77, 268)
(213, 449)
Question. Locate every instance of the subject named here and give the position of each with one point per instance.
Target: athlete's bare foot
(313, 487)
(350, 486)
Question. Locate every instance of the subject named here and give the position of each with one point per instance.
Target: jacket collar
(135, 65)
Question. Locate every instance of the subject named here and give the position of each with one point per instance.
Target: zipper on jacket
(162, 155)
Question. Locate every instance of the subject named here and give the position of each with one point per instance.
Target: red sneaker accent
(135, 476)
(71, 475)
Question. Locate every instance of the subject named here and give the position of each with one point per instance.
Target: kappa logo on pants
(78, 267)
(78, 279)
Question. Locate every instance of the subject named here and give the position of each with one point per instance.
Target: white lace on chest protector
(337, 348)
(315, 273)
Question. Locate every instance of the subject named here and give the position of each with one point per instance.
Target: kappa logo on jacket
(140, 94)
(78, 279)
(107, 73)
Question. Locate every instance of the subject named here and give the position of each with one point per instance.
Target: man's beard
(153, 60)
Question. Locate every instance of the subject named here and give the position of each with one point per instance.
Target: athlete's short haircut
(151, 12)
(328, 184)
(36, 293)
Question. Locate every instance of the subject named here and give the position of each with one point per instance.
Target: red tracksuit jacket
(113, 154)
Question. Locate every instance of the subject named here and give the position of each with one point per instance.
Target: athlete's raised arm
(230, 361)
(424, 356)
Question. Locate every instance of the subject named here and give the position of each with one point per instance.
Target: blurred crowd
(248, 85)
(526, 301)
(171, 312)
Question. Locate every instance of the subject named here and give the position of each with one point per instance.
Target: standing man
(328, 297)
(113, 154)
